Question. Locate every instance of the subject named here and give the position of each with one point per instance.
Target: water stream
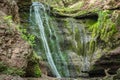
(39, 10)
(81, 40)
(54, 46)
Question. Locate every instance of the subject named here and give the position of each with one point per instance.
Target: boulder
(108, 63)
(13, 49)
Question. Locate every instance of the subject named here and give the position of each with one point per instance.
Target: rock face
(79, 8)
(45, 69)
(13, 49)
(15, 53)
(8, 77)
(107, 64)
(10, 7)
(24, 10)
(117, 76)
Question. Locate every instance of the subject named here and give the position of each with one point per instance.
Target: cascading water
(84, 39)
(82, 42)
(38, 15)
(60, 59)
(62, 65)
(44, 30)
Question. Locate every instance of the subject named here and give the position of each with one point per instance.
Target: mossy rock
(117, 76)
(33, 69)
(4, 69)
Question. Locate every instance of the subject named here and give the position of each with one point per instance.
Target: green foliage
(89, 22)
(104, 27)
(33, 69)
(14, 71)
(117, 17)
(35, 57)
(10, 70)
(26, 36)
(8, 19)
(3, 67)
(37, 71)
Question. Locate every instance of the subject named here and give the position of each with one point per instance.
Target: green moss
(4, 69)
(104, 27)
(33, 69)
(74, 11)
(118, 19)
(68, 9)
(27, 36)
(36, 71)
(90, 22)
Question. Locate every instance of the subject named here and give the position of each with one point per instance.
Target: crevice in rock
(57, 15)
(84, 16)
(87, 16)
(117, 8)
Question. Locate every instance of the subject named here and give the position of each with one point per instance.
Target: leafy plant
(33, 68)
(8, 19)
(26, 36)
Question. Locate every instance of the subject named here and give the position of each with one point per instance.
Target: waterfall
(82, 40)
(54, 43)
(59, 53)
(39, 16)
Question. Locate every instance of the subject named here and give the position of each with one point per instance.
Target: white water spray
(39, 10)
